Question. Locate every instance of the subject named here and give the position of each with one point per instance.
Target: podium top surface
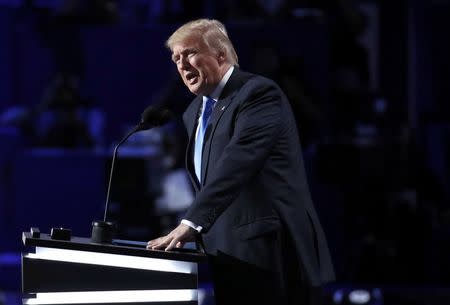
(85, 244)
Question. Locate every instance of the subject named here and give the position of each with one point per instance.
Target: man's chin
(199, 89)
(195, 90)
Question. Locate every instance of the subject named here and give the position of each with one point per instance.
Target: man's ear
(221, 56)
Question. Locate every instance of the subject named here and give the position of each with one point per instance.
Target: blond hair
(212, 32)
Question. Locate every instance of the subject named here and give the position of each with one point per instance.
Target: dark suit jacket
(254, 184)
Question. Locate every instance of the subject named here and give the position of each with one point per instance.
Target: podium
(78, 271)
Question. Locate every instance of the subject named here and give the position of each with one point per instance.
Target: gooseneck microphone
(153, 116)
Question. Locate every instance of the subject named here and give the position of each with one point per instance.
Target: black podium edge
(84, 244)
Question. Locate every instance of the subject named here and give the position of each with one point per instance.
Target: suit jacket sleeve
(257, 125)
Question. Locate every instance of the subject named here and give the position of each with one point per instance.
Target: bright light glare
(116, 260)
(359, 297)
(130, 296)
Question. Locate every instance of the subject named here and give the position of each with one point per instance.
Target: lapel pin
(223, 108)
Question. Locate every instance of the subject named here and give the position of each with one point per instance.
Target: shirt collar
(216, 93)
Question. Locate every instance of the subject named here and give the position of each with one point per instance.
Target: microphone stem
(136, 128)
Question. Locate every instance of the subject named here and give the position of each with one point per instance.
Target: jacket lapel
(192, 114)
(219, 109)
(237, 79)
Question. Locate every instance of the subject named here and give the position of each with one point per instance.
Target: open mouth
(191, 77)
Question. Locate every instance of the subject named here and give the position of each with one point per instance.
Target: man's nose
(183, 63)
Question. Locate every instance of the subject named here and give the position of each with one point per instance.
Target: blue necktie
(206, 113)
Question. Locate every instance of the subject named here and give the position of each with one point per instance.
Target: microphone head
(154, 116)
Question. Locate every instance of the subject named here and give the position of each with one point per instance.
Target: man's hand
(177, 238)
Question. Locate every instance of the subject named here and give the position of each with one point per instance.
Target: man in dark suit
(252, 208)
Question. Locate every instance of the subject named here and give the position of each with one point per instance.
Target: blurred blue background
(368, 81)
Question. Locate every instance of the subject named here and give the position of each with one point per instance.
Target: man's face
(200, 67)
